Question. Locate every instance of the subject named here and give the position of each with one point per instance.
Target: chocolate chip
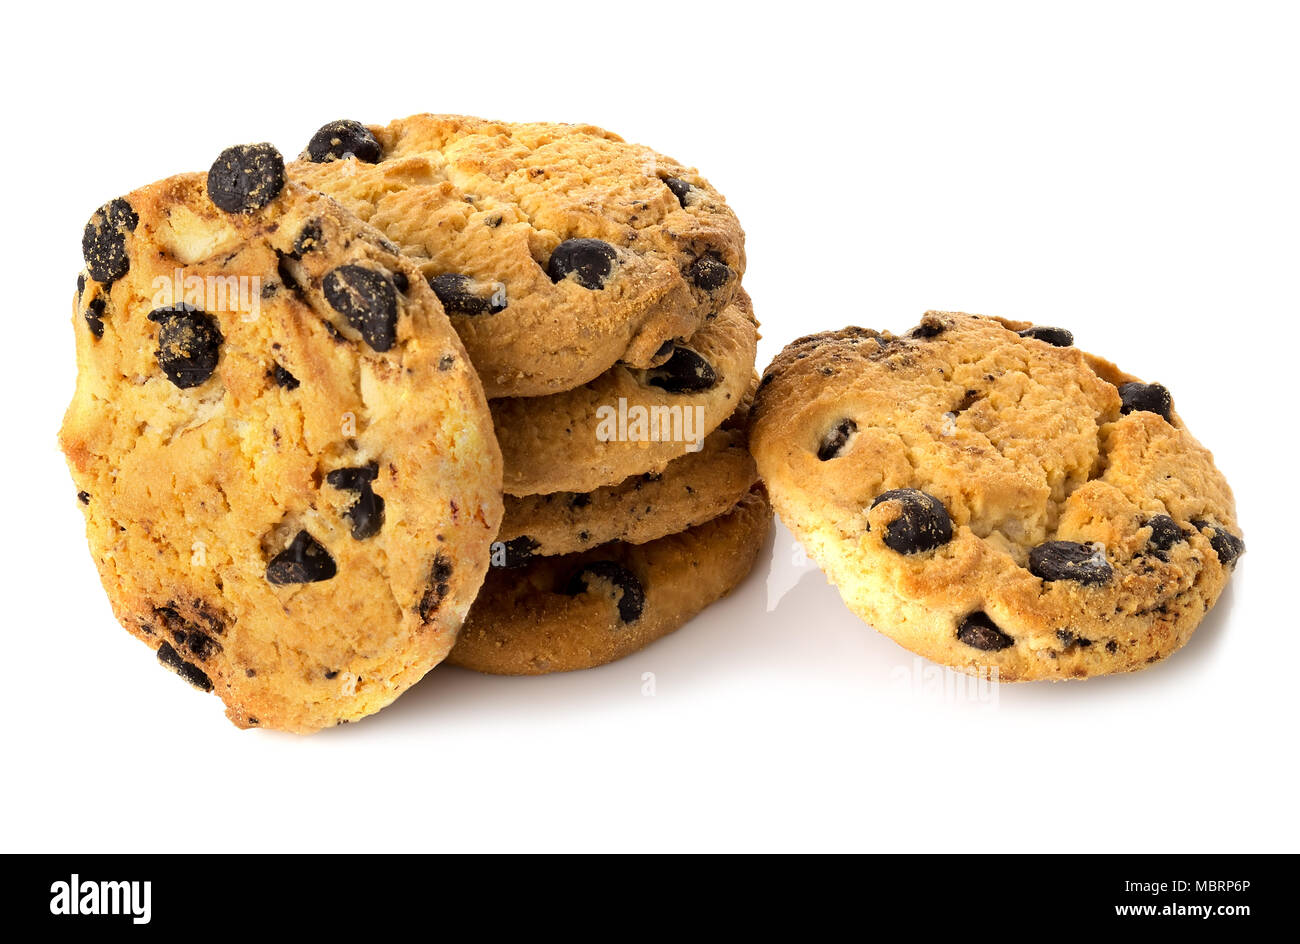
(684, 372)
(580, 500)
(631, 602)
(1069, 560)
(83, 497)
(186, 670)
(331, 673)
(1145, 398)
(246, 177)
(103, 242)
(368, 301)
(94, 316)
(401, 282)
(930, 327)
(1226, 545)
(1057, 337)
(353, 479)
(189, 344)
(303, 561)
(679, 187)
(81, 284)
(282, 378)
(367, 512)
(980, 632)
(344, 138)
(1112, 647)
(923, 525)
(446, 362)
(589, 260)
(437, 587)
(457, 294)
(1165, 533)
(516, 552)
(709, 274)
(1070, 638)
(833, 442)
(307, 240)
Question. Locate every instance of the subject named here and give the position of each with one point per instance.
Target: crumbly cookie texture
(629, 421)
(557, 250)
(576, 611)
(283, 454)
(690, 490)
(993, 498)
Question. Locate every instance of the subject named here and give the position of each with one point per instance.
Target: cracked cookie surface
(629, 421)
(989, 496)
(558, 250)
(284, 457)
(577, 611)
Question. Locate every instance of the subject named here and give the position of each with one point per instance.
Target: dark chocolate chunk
(680, 188)
(94, 316)
(186, 670)
(709, 273)
(631, 601)
(1069, 560)
(923, 525)
(307, 240)
(684, 372)
(980, 632)
(305, 560)
(833, 442)
(246, 177)
(589, 260)
(1057, 337)
(458, 296)
(1226, 545)
(344, 138)
(83, 497)
(437, 587)
(1165, 533)
(368, 300)
(1147, 398)
(189, 344)
(515, 553)
(367, 512)
(282, 378)
(103, 242)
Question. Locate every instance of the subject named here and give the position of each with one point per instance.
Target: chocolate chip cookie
(577, 611)
(629, 421)
(690, 490)
(993, 498)
(557, 250)
(283, 454)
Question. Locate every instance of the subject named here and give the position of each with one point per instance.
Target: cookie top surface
(971, 473)
(629, 421)
(557, 250)
(576, 611)
(284, 456)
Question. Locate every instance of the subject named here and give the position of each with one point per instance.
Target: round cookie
(283, 454)
(993, 498)
(690, 490)
(577, 611)
(557, 250)
(629, 421)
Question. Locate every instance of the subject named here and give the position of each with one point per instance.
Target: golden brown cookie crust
(492, 200)
(557, 443)
(1022, 443)
(690, 490)
(523, 622)
(189, 494)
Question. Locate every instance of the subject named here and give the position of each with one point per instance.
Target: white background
(1129, 171)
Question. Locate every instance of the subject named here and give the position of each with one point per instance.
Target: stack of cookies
(596, 287)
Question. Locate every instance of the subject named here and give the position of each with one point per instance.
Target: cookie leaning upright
(285, 459)
(557, 250)
(993, 498)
